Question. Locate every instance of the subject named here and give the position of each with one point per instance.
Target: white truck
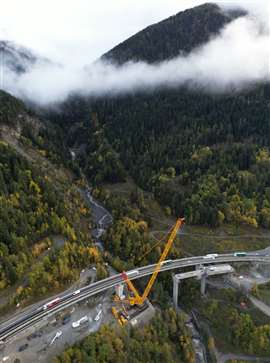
(57, 336)
(83, 321)
(211, 256)
(98, 316)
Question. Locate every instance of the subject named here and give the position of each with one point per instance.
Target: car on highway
(83, 321)
(132, 273)
(211, 256)
(23, 347)
(77, 292)
(52, 303)
(166, 262)
(240, 254)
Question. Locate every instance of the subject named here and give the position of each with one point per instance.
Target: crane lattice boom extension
(137, 299)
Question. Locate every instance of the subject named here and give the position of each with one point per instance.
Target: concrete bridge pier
(203, 283)
(255, 265)
(200, 274)
(199, 267)
(119, 291)
(175, 291)
(264, 269)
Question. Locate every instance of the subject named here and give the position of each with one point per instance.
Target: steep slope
(203, 156)
(39, 201)
(206, 157)
(10, 108)
(15, 58)
(176, 35)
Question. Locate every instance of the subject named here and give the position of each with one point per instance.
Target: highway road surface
(25, 320)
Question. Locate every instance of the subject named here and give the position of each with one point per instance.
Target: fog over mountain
(235, 58)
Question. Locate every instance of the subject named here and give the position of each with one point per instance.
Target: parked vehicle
(66, 319)
(58, 334)
(34, 335)
(23, 347)
(83, 321)
(98, 316)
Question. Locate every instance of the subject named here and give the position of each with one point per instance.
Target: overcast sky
(74, 33)
(81, 30)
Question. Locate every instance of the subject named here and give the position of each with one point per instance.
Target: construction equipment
(138, 299)
(119, 316)
(114, 312)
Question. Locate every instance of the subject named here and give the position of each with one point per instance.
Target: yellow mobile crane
(137, 299)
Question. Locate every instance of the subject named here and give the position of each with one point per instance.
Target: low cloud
(237, 58)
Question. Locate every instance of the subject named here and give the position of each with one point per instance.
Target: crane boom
(137, 299)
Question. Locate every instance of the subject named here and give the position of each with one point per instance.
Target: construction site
(129, 305)
(86, 307)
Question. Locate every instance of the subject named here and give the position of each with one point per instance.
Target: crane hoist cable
(159, 242)
(138, 299)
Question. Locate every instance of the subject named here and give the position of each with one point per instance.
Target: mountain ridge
(178, 34)
(16, 58)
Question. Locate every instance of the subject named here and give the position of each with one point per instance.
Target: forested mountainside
(202, 156)
(206, 157)
(179, 34)
(10, 108)
(16, 58)
(38, 202)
